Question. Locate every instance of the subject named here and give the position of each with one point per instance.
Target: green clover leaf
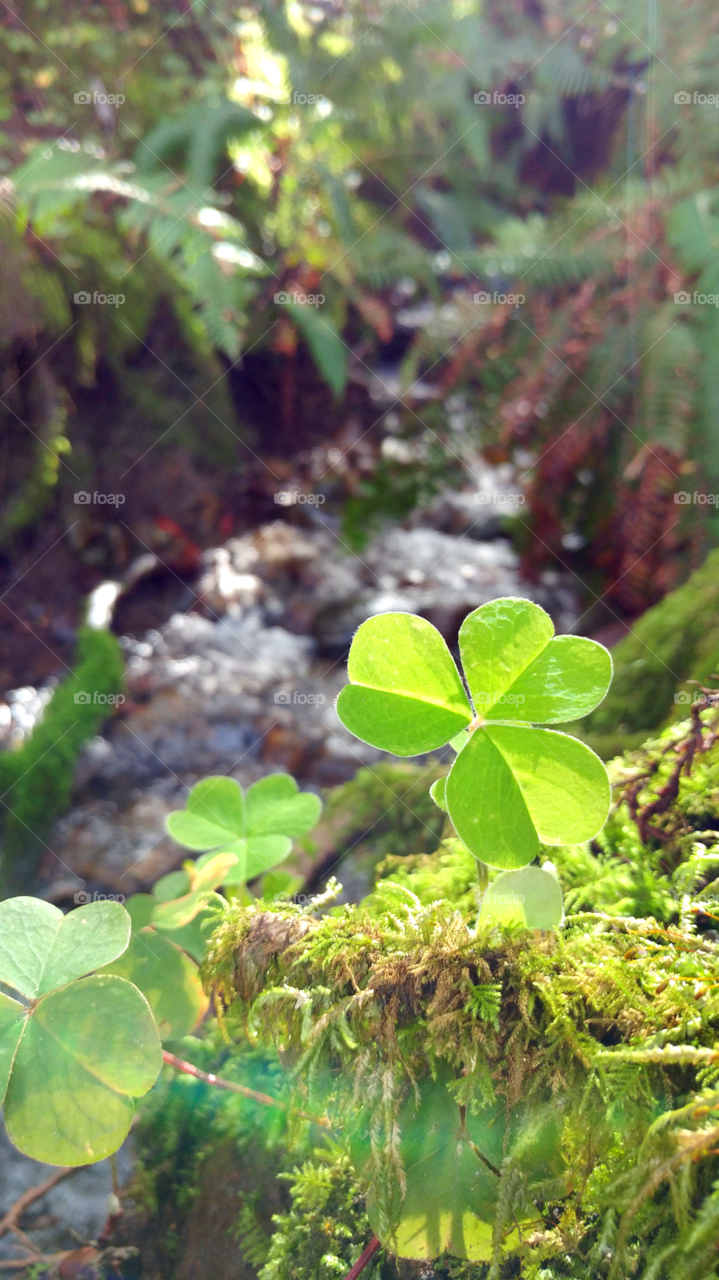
(75, 1050)
(512, 785)
(253, 833)
(452, 1170)
(531, 897)
(405, 694)
(160, 969)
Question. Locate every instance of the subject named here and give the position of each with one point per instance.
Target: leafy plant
(75, 1050)
(512, 785)
(245, 836)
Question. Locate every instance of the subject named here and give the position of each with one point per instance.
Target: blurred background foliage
(337, 148)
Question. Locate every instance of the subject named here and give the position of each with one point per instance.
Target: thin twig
(264, 1098)
(363, 1259)
(35, 1193)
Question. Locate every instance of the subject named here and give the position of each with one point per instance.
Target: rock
(75, 1207)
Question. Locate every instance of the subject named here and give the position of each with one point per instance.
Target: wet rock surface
(70, 1214)
(244, 683)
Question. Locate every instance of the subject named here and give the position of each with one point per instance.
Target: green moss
(676, 641)
(36, 781)
(611, 1024)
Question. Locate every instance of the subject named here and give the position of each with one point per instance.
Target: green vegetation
(339, 152)
(405, 696)
(36, 781)
(75, 1051)
(671, 646)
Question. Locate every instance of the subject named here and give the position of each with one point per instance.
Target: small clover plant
(513, 785)
(244, 835)
(76, 1047)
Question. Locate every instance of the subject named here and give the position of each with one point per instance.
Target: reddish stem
(187, 1067)
(363, 1259)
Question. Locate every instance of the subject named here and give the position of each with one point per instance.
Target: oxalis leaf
(252, 833)
(512, 785)
(453, 1173)
(75, 1050)
(160, 969)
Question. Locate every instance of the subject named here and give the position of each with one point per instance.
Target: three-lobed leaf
(451, 1194)
(512, 786)
(76, 1047)
(252, 832)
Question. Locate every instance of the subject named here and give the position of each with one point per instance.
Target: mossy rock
(672, 643)
(607, 1028)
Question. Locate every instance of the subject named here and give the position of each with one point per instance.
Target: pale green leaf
(438, 793)
(497, 642)
(12, 1022)
(563, 783)
(167, 978)
(180, 911)
(566, 681)
(86, 1052)
(530, 897)
(173, 885)
(518, 670)
(41, 949)
(276, 806)
(451, 1195)
(405, 695)
(487, 808)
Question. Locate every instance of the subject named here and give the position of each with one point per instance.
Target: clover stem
(363, 1259)
(482, 876)
(190, 1069)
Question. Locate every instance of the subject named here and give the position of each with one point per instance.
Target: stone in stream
(250, 689)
